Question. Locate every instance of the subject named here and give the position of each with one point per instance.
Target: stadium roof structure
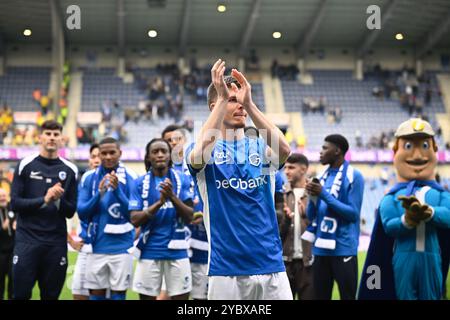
(304, 24)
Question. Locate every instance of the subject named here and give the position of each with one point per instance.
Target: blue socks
(114, 296)
(117, 296)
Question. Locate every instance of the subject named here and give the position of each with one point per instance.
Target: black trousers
(45, 264)
(343, 270)
(6, 271)
(300, 279)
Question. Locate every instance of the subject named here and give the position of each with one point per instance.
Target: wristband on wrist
(197, 214)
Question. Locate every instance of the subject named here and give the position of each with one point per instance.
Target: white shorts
(79, 275)
(149, 274)
(199, 281)
(109, 271)
(273, 286)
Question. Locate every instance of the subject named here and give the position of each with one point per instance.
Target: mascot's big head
(415, 151)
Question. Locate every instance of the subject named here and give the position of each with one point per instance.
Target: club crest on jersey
(62, 175)
(222, 157)
(254, 159)
(114, 210)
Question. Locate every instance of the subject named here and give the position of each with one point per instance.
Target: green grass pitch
(66, 293)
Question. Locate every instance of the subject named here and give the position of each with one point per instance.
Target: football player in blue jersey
(334, 209)
(253, 133)
(235, 176)
(198, 242)
(79, 291)
(161, 203)
(175, 135)
(103, 206)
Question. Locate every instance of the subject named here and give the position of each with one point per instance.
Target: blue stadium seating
(17, 86)
(374, 191)
(361, 110)
(102, 84)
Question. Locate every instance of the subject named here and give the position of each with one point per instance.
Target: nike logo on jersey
(347, 259)
(35, 175)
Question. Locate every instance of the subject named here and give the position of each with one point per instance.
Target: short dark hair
(93, 146)
(147, 163)
(298, 158)
(51, 125)
(109, 140)
(171, 128)
(338, 140)
(212, 92)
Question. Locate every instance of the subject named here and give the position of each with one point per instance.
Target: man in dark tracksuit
(7, 227)
(43, 194)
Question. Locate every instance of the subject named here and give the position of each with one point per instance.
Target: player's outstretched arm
(210, 131)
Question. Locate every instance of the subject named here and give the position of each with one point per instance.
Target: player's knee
(97, 292)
